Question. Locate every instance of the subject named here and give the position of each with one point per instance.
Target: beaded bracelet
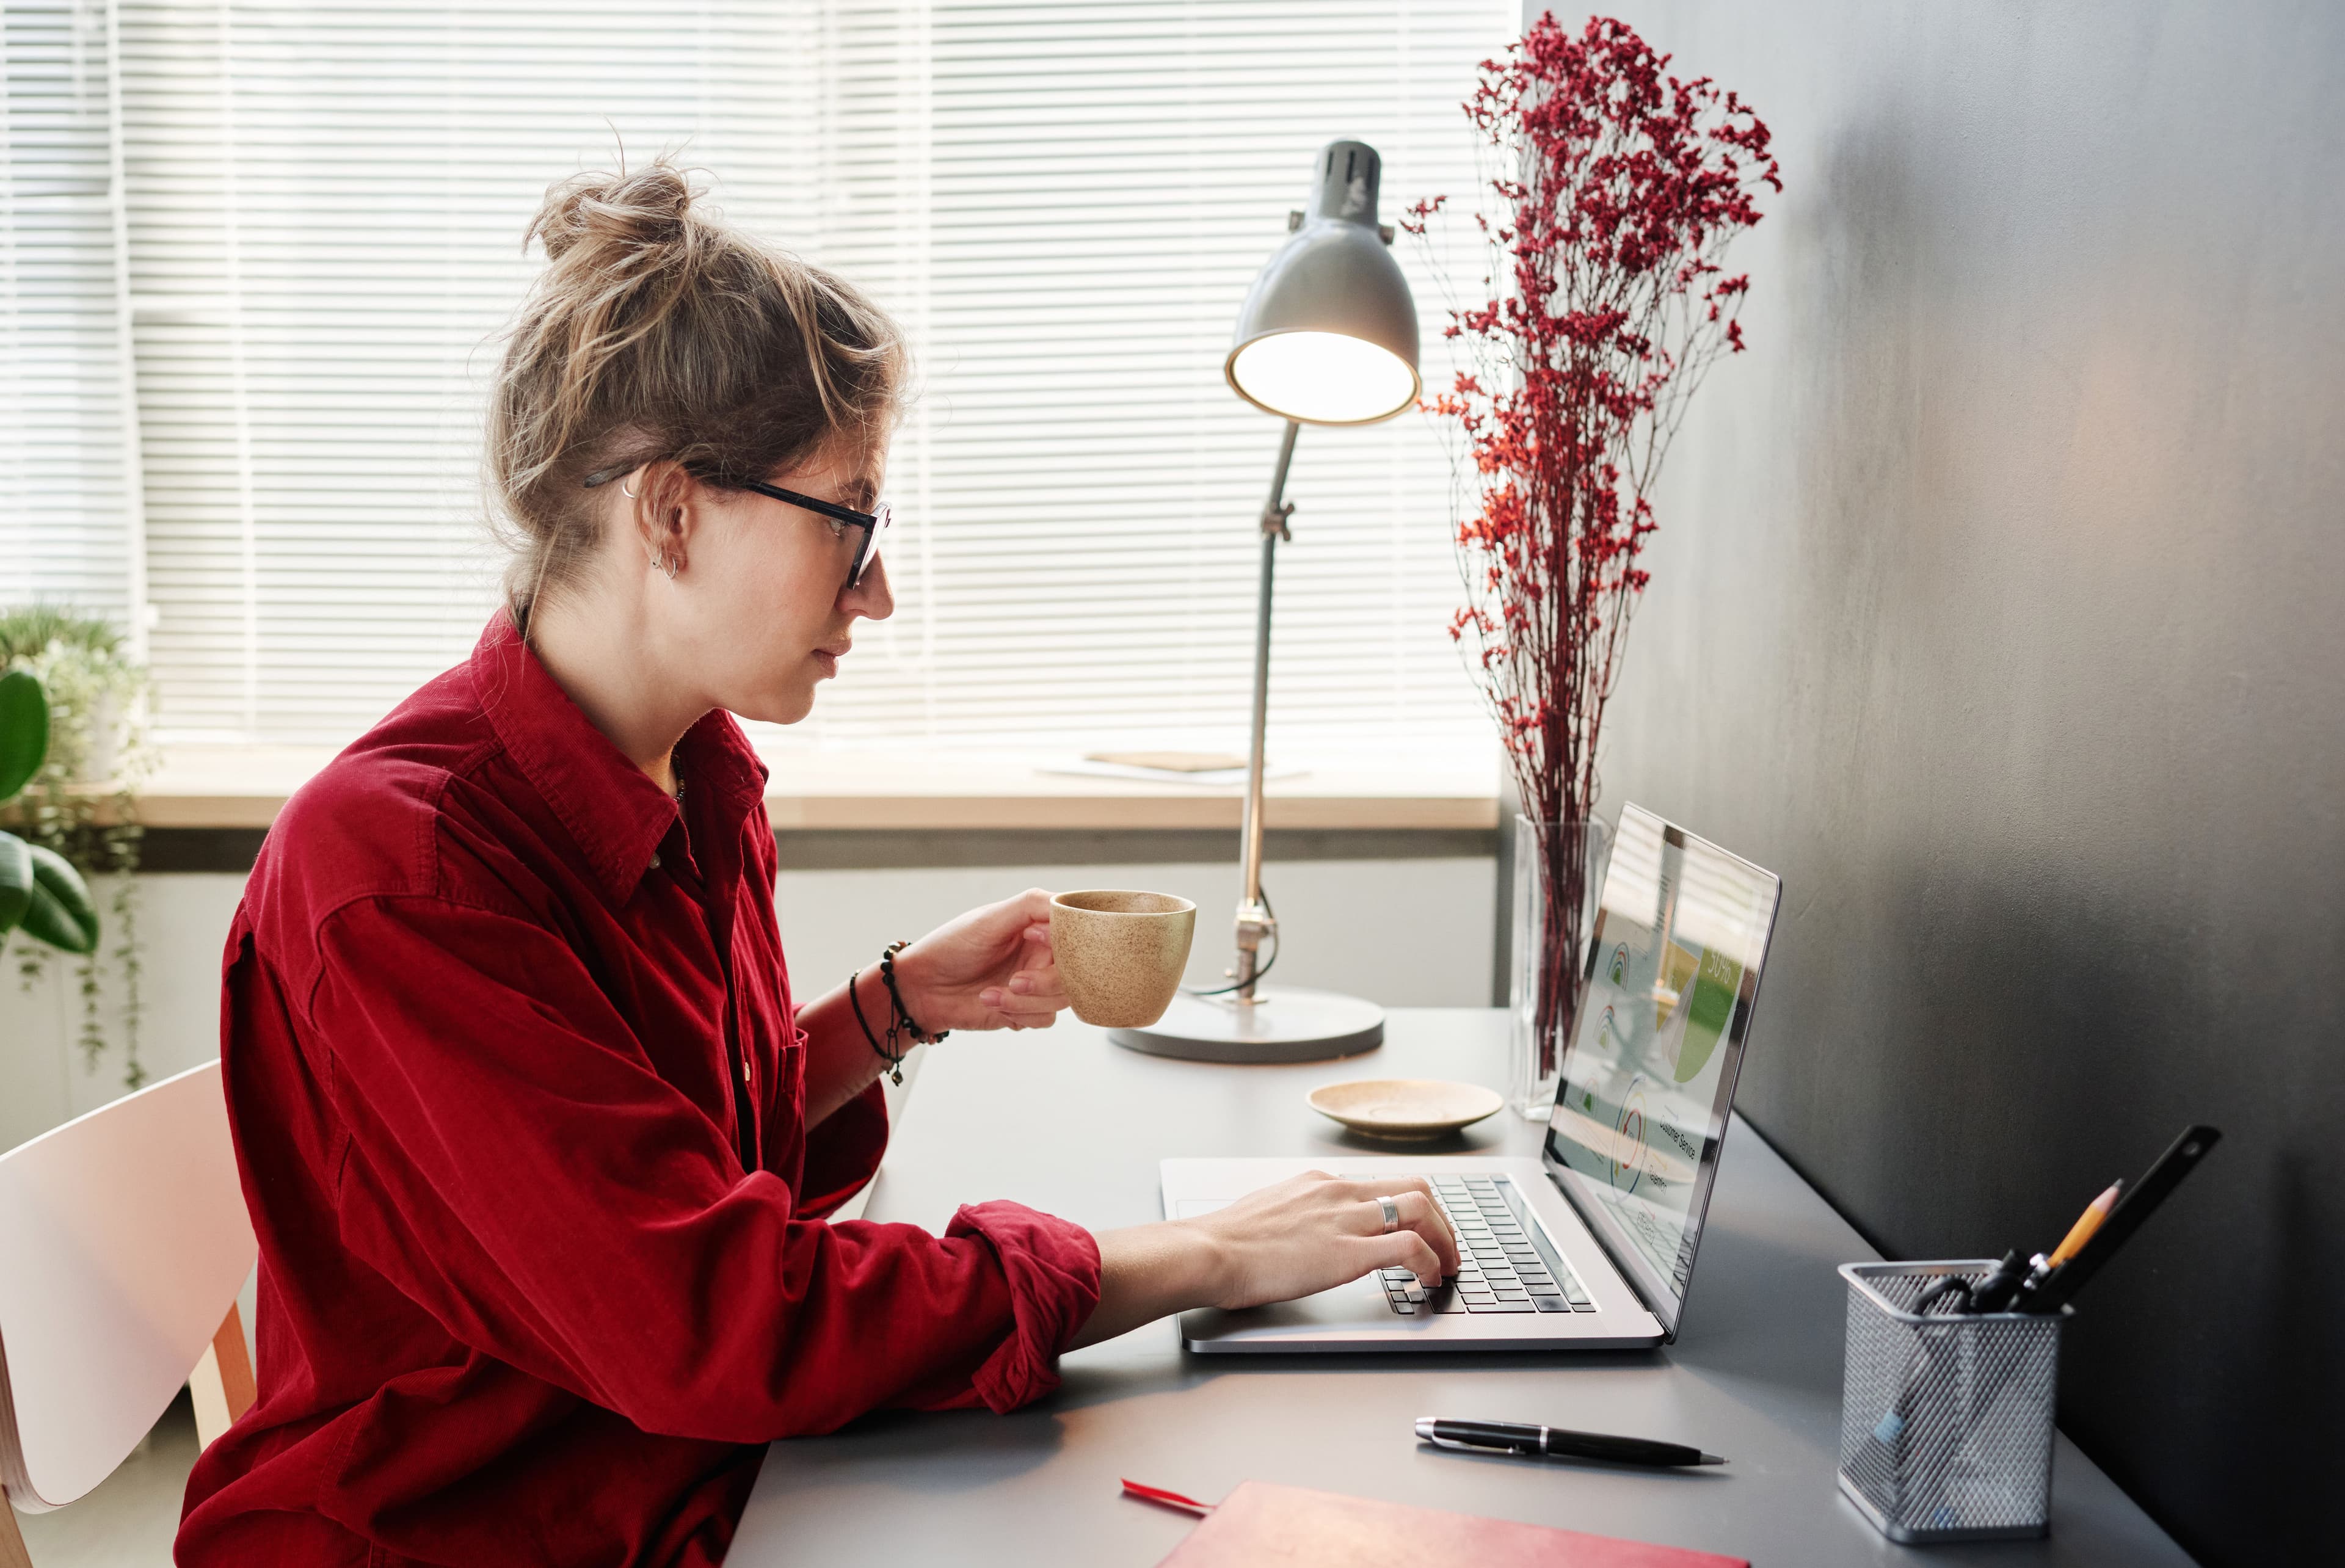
(902, 1015)
(896, 1062)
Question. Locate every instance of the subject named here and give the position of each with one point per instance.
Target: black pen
(1519, 1437)
(2180, 1158)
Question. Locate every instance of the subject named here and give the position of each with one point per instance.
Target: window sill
(827, 791)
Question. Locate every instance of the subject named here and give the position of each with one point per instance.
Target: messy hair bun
(656, 331)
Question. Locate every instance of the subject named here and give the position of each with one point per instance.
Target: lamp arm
(1253, 920)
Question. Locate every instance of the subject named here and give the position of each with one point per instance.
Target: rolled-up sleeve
(1052, 1290)
(515, 1166)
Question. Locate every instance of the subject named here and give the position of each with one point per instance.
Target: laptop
(1592, 1245)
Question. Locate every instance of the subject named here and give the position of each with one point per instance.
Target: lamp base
(1282, 1025)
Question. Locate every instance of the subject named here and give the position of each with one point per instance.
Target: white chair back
(123, 1243)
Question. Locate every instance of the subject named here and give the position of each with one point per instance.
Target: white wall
(1405, 933)
(44, 1080)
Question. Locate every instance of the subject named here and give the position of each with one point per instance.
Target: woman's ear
(666, 501)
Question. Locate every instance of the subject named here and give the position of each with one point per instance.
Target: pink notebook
(1263, 1526)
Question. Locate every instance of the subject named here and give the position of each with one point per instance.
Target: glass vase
(1558, 873)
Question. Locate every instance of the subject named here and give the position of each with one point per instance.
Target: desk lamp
(1328, 336)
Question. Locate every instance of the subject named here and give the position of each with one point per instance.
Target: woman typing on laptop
(539, 1146)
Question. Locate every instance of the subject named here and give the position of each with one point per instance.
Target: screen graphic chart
(1672, 965)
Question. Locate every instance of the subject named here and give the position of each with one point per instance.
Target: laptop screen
(1673, 971)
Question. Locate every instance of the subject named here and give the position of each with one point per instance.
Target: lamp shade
(1328, 333)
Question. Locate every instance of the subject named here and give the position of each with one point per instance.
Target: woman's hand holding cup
(992, 968)
(998, 967)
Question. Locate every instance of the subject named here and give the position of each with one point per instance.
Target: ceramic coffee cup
(1119, 955)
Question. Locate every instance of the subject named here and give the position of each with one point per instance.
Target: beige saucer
(1405, 1109)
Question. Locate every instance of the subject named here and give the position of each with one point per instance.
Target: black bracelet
(910, 1026)
(895, 1063)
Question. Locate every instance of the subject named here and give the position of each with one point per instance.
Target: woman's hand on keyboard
(1315, 1231)
(1307, 1234)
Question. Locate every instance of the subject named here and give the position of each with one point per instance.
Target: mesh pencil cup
(1945, 1422)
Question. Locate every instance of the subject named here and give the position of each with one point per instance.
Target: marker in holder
(1945, 1422)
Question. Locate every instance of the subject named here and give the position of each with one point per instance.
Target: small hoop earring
(667, 564)
(624, 491)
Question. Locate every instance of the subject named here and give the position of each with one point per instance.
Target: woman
(538, 1145)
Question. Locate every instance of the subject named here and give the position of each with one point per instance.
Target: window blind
(327, 205)
(1074, 199)
(68, 528)
(314, 239)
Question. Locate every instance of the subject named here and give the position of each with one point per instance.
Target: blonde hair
(658, 332)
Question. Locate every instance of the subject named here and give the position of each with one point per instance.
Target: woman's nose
(870, 598)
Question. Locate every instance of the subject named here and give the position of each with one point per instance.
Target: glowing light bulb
(1325, 378)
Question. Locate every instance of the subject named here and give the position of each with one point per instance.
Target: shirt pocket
(782, 1108)
(789, 1077)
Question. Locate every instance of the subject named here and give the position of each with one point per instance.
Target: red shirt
(518, 1108)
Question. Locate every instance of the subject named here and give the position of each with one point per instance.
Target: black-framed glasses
(874, 523)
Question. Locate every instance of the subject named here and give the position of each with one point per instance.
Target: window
(68, 529)
(258, 254)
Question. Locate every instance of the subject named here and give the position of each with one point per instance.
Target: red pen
(1163, 1499)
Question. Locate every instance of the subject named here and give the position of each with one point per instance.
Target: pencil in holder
(1945, 1420)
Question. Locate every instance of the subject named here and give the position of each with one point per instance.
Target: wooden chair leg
(221, 1386)
(12, 1552)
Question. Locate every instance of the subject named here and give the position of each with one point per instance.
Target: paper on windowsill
(1211, 778)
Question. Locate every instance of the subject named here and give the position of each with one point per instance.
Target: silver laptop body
(1592, 1245)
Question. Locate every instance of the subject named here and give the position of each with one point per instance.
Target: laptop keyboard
(1505, 1262)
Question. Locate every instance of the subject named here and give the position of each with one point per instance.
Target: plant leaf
(16, 881)
(60, 913)
(24, 730)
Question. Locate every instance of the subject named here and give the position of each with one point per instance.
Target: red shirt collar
(612, 810)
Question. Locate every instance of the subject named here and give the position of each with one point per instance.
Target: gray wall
(1997, 606)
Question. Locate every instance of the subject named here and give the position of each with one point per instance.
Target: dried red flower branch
(1609, 192)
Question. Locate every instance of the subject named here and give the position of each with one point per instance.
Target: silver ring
(1392, 1214)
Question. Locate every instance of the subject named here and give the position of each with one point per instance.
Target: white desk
(1067, 1123)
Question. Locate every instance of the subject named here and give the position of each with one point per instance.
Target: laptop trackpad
(1356, 1305)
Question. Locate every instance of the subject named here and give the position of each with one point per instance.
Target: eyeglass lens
(873, 539)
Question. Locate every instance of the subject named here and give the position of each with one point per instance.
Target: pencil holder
(1945, 1421)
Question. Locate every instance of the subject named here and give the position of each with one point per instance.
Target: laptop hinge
(1594, 1228)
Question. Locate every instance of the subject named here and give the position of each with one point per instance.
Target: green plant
(40, 892)
(77, 808)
